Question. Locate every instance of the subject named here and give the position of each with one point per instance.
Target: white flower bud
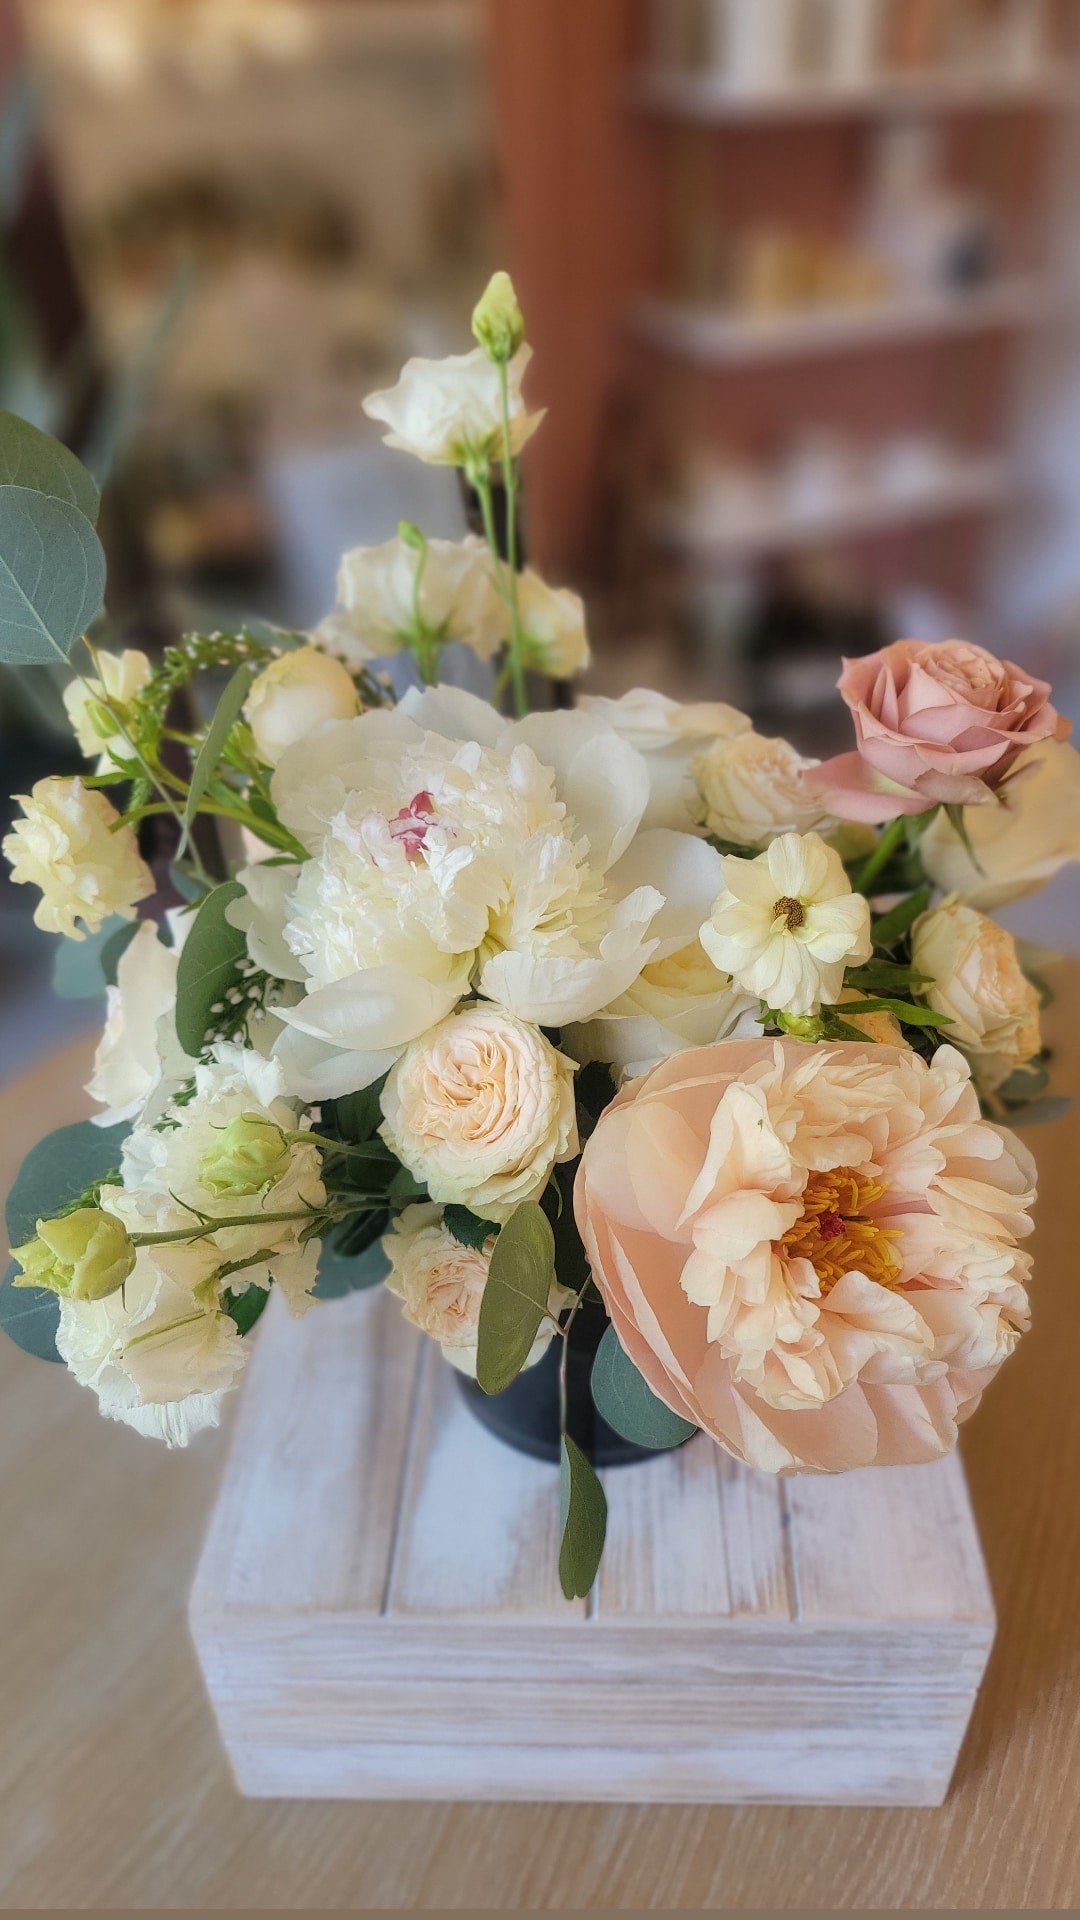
(295, 694)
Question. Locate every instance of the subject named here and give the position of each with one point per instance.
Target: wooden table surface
(114, 1793)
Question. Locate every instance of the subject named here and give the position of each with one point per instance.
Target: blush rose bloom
(480, 1110)
(935, 724)
(811, 1252)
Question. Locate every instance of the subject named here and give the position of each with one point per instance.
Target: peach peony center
(836, 1234)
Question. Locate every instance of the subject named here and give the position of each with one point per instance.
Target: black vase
(526, 1413)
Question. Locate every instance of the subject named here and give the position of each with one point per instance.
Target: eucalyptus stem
(882, 854)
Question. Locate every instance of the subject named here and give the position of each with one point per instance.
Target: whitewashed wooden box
(378, 1615)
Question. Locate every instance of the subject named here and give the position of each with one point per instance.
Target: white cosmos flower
(669, 737)
(138, 1052)
(376, 608)
(788, 924)
(752, 789)
(452, 851)
(449, 412)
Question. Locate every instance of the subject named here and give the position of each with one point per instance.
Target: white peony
(788, 924)
(296, 693)
(70, 845)
(449, 412)
(977, 981)
(378, 610)
(451, 852)
(679, 1001)
(441, 1284)
(553, 622)
(752, 789)
(480, 1110)
(138, 1052)
(669, 737)
(171, 1178)
(1029, 832)
(120, 679)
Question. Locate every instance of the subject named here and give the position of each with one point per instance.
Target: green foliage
(355, 1116)
(627, 1402)
(245, 1307)
(113, 948)
(583, 1520)
(226, 714)
(467, 1227)
(52, 576)
(79, 965)
(891, 927)
(208, 967)
(58, 1172)
(352, 1261)
(29, 1316)
(905, 1012)
(515, 1297)
(34, 460)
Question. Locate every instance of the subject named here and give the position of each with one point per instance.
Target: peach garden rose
(810, 1251)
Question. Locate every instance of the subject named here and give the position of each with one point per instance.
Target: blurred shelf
(707, 99)
(715, 336)
(965, 486)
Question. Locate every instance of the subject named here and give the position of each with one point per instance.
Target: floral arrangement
(618, 1004)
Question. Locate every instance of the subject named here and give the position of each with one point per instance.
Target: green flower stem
(368, 1203)
(882, 854)
(506, 580)
(510, 484)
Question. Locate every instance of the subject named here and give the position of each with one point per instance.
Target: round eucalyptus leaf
(29, 1316)
(627, 1402)
(57, 1170)
(341, 1273)
(52, 576)
(30, 458)
(79, 965)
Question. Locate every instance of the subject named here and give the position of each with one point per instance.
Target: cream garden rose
(298, 692)
(120, 679)
(669, 736)
(752, 789)
(680, 1001)
(1021, 841)
(440, 1284)
(382, 608)
(975, 978)
(480, 1110)
(71, 845)
(449, 412)
(788, 925)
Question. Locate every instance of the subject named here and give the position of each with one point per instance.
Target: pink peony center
(411, 826)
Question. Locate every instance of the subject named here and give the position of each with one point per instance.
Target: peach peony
(811, 1252)
(934, 723)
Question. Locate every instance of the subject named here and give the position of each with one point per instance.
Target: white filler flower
(449, 412)
(788, 924)
(379, 609)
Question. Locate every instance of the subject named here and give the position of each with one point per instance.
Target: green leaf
(79, 965)
(1041, 1112)
(583, 1520)
(52, 576)
(355, 1116)
(226, 714)
(515, 1297)
(246, 1307)
(468, 1228)
(626, 1401)
(879, 976)
(57, 1171)
(911, 1015)
(208, 966)
(189, 884)
(29, 1316)
(955, 816)
(890, 927)
(341, 1273)
(32, 459)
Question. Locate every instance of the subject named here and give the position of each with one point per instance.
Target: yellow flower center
(835, 1234)
(790, 910)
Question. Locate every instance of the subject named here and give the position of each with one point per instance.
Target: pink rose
(811, 1252)
(934, 723)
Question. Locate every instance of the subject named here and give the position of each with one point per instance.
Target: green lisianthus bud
(85, 1255)
(249, 1154)
(410, 536)
(497, 320)
(801, 1026)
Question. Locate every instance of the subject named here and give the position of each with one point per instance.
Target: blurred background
(802, 277)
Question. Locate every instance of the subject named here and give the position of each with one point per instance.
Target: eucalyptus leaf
(32, 459)
(626, 1401)
(355, 1116)
(79, 965)
(583, 1519)
(341, 1273)
(116, 945)
(57, 1171)
(515, 1297)
(208, 966)
(52, 576)
(29, 1316)
(226, 714)
(1042, 1111)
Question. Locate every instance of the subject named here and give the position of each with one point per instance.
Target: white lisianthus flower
(120, 679)
(752, 789)
(480, 1110)
(441, 1284)
(201, 1163)
(788, 924)
(1026, 835)
(553, 621)
(449, 412)
(378, 606)
(977, 981)
(669, 737)
(296, 693)
(454, 852)
(71, 846)
(679, 1001)
(138, 1053)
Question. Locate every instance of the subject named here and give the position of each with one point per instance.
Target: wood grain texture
(114, 1791)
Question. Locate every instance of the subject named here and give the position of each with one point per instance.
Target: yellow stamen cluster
(835, 1233)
